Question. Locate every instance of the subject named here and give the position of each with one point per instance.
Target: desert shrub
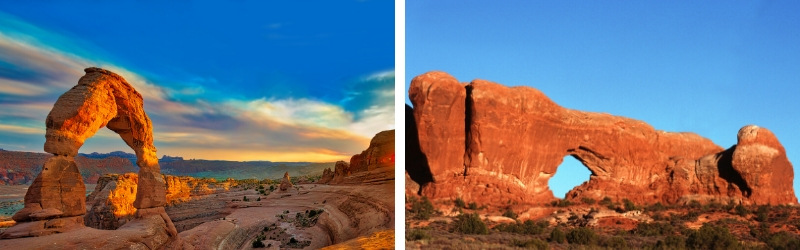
(531, 244)
(760, 232)
(712, 237)
(561, 203)
(422, 209)
(557, 236)
(671, 242)
(741, 210)
(761, 214)
(259, 198)
(615, 242)
(588, 201)
(527, 227)
(271, 188)
(582, 236)
(694, 204)
(470, 224)
(473, 206)
(460, 203)
(606, 201)
(417, 234)
(655, 207)
(653, 229)
(629, 206)
(258, 244)
(573, 217)
(783, 240)
(510, 214)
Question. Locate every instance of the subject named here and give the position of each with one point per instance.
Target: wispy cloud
(33, 75)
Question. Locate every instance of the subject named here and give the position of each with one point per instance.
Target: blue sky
(240, 80)
(708, 67)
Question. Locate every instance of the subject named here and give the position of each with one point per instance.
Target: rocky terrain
(375, 164)
(494, 144)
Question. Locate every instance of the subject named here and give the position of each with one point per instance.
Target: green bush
(531, 244)
(473, 205)
(695, 204)
(741, 210)
(712, 237)
(527, 227)
(761, 214)
(561, 203)
(470, 224)
(258, 244)
(606, 201)
(510, 214)
(245, 198)
(582, 236)
(417, 234)
(557, 236)
(671, 242)
(629, 206)
(783, 240)
(422, 209)
(460, 203)
(653, 229)
(588, 201)
(615, 242)
(655, 207)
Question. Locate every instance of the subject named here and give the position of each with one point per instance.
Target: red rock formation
(327, 176)
(375, 164)
(494, 144)
(379, 154)
(55, 202)
(111, 203)
(286, 182)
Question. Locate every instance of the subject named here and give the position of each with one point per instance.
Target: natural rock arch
(55, 202)
(499, 145)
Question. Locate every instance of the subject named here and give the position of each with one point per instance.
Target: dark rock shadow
(416, 161)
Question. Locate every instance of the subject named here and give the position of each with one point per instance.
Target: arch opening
(569, 174)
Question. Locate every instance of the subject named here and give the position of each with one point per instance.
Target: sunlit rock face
(110, 205)
(493, 144)
(55, 202)
(375, 164)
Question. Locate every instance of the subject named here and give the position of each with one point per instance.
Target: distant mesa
(493, 144)
(55, 202)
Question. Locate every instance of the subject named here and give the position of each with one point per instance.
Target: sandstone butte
(55, 202)
(493, 144)
(373, 165)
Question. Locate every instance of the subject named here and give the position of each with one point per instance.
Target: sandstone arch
(495, 144)
(55, 202)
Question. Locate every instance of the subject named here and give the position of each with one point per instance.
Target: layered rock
(375, 164)
(493, 144)
(55, 202)
(286, 182)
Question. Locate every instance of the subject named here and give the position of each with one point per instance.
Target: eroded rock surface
(373, 165)
(493, 144)
(55, 202)
(286, 182)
